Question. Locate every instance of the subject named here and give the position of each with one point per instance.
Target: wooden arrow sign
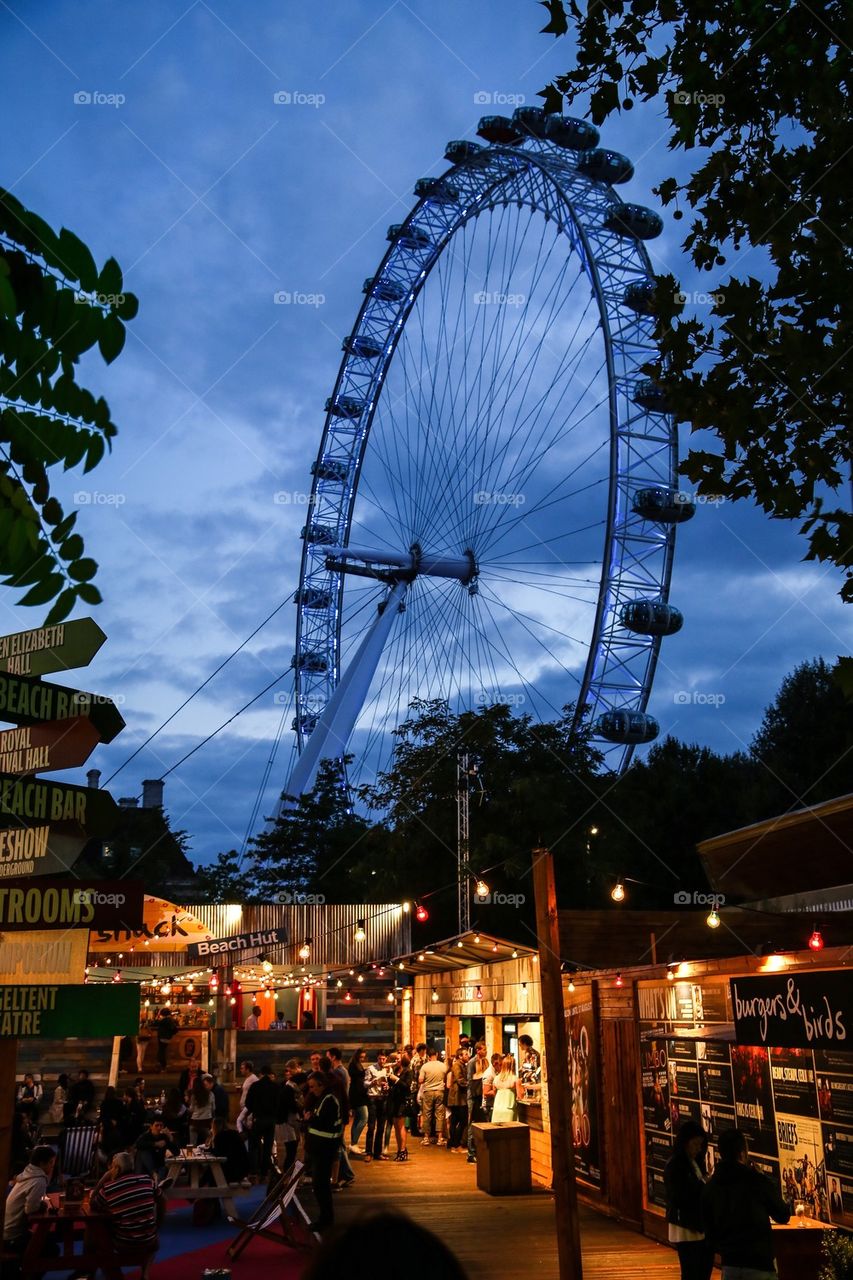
(27, 700)
(62, 744)
(77, 811)
(37, 851)
(45, 649)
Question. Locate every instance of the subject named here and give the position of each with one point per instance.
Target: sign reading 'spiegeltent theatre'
(48, 1012)
(248, 941)
(795, 1011)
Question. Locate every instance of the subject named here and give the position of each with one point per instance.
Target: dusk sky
(154, 133)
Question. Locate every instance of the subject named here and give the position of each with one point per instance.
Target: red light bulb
(816, 940)
(421, 913)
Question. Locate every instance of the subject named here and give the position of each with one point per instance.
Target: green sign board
(45, 649)
(87, 1012)
(73, 810)
(27, 700)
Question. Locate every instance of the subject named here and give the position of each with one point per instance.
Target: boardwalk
(491, 1234)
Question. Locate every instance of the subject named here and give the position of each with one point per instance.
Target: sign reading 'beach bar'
(796, 1011)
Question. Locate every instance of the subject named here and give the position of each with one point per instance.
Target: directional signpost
(44, 649)
(44, 826)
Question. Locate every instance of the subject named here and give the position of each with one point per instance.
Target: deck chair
(275, 1208)
(77, 1149)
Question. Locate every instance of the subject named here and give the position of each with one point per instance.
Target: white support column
(332, 732)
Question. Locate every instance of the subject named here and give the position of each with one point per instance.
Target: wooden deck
(492, 1234)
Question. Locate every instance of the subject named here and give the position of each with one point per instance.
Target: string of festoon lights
(713, 919)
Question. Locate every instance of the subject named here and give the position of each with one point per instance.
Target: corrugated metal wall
(330, 927)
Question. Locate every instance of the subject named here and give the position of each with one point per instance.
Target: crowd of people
(331, 1109)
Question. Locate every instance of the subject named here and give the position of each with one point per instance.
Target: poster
(655, 1079)
(583, 1062)
(658, 1154)
(801, 1164)
(715, 1073)
(753, 1095)
(794, 1085)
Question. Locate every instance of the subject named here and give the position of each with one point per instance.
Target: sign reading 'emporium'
(800, 1011)
(239, 942)
(45, 903)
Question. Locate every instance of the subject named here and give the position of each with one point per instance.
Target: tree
(144, 847)
(804, 745)
(54, 306)
(652, 818)
(762, 88)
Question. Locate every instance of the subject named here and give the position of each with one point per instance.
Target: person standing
(457, 1099)
(166, 1028)
(201, 1110)
(253, 1021)
(376, 1080)
(262, 1105)
(507, 1088)
(478, 1065)
(323, 1140)
(81, 1096)
(401, 1093)
(247, 1071)
(684, 1180)
(357, 1096)
(431, 1081)
(737, 1205)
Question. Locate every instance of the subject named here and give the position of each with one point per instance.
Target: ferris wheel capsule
(566, 131)
(606, 166)
(664, 506)
(628, 727)
(635, 220)
(651, 617)
(499, 129)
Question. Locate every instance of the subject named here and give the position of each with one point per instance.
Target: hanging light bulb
(619, 982)
(390, 997)
(233, 1000)
(266, 965)
(360, 933)
(211, 1003)
(816, 940)
(227, 991)
(617, 893)
(348, 998)
(478, 994)
(360, 977)
(476, 937)
(421, 913)
(305, 949)
(117, 976)
(168, 1004)
(407, 906)
(434, 996)
(515, 955)
(146, 1004)
(339, 983)
(267, 995)
(712, 919)
(214, 981)
(481, 889)
(670, 972)
(571, 985)
(524, 988)
(165, 988)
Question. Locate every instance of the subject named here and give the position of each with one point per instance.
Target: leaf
(63, 606)
(51, 511)
(62, 530)
(110, 280)
(112, 336)
(8, 301)
(71, 548)
(127, 310)
(77, 260)
(94, 453)
(557, 22)
(552, 99)
(44, 590)
(88, 594)
(82, 570)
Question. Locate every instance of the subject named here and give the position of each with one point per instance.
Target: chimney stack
(152, 793)
(127, 802)
(93, 779)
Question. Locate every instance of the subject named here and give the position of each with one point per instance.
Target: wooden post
(559, 1078)
(8, 1065)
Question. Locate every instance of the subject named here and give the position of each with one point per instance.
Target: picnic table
(54, 1234)
(195, 1166)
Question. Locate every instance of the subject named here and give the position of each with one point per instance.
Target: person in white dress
(508, 1089)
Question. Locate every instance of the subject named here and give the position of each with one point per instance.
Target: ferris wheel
(494, 502)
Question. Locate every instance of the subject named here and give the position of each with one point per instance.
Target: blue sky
(214, 197)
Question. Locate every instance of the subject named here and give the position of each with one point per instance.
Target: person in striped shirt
(130, 1201)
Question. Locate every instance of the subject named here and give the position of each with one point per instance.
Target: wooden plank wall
(621, 1106)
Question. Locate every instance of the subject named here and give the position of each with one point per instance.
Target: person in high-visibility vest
(325, 1127)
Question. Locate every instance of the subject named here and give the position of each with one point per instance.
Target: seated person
(25, 1198)
(130, 1201)
(152, 1146)
(227, 1144)
(29, 1096)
